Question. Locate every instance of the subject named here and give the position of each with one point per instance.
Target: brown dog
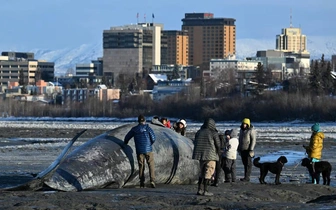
(273, 167)
(323, 167)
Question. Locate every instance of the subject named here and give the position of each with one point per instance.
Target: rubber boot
(206, 192)
(200, 184)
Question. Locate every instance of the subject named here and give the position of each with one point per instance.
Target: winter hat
(141, 118)
(234, 133)
(227, 132)
(247, 121)
(316, 127)
(183, 122)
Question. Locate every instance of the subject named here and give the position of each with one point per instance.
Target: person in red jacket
(165, 122)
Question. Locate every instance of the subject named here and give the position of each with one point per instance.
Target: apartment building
(177, 47)
(209, 37)
(13, 63)
(131, 49)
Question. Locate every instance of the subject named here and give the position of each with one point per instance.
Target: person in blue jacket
(144, 137)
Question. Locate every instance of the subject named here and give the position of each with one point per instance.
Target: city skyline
(60, 23)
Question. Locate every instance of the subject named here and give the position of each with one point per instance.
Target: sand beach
(294, 193)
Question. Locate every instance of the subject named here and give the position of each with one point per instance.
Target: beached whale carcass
(104, 161)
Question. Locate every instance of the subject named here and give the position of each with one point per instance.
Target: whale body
(105, 161)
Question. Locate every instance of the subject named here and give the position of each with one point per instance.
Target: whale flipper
(37, 182)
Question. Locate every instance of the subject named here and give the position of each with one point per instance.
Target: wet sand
(293, 193)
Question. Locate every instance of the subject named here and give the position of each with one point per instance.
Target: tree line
(309, 98)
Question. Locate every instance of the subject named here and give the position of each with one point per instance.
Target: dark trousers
(229, 167)
(247, 162)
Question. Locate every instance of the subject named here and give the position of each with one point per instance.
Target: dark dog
(273, 167)
(323, 167)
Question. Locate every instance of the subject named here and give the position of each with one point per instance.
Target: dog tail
(256, 162)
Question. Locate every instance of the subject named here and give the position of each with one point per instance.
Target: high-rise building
(209, 37)
(130, 49)
(12, 64)
(291, 40)
(177, 47)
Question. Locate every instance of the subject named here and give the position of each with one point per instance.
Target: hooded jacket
(207, 142)
(247, 138)
(144, 137)
(231, 152)
(182, 131)
(316, 145)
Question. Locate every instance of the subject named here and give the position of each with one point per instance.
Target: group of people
(217, 152)
(144, 137)
(180, 126)
(213, 150)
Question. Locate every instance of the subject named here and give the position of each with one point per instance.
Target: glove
(251, 153)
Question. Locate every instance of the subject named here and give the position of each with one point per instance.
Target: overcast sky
(55, 24)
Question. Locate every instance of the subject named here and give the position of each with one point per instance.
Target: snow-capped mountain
(68, 58)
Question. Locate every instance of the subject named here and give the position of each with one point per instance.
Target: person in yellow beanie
(247, 142)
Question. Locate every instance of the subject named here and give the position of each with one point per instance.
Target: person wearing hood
(230, 155)
(180, 127)
(314, 149)
(206, 148)
(156, 121)
(247, 142)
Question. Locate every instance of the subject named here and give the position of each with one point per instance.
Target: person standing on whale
(144, 137)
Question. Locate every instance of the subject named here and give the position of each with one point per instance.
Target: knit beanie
(247, 121)
(141, 118)
(227, 132)
(316, 127)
